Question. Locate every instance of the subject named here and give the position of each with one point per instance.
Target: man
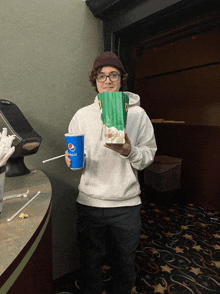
(109, 202)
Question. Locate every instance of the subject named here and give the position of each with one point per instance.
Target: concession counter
(26, 243)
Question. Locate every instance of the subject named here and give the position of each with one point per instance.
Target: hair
(95, 72)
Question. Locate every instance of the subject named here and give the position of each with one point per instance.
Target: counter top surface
(16, 233)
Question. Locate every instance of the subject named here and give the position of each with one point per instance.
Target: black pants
(115, 231)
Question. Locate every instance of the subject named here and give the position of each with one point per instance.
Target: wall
(47, 51)
(180, 80)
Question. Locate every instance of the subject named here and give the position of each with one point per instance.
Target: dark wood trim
(202, 24)
(178, 71)
(198, 147)
(132, 26)
(104, 9)
(130, 53)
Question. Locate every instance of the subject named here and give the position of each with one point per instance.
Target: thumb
(126, 138)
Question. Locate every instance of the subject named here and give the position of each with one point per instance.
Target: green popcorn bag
(114, 109)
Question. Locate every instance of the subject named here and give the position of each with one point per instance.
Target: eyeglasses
(114, 77)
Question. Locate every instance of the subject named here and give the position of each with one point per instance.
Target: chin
(110, 90)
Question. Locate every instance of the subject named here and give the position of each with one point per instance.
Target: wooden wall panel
(190, 52)
(192, 96)
(199, 147)
(174, 84)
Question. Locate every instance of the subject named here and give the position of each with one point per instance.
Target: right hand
(68, 161)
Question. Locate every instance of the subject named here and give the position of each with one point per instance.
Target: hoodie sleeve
(143, 143)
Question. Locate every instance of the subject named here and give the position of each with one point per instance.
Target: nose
(108, 77)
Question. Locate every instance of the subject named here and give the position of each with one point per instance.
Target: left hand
(123, 149)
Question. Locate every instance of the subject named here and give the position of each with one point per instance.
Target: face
(108, 85)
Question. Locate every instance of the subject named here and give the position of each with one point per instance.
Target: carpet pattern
(179, 250)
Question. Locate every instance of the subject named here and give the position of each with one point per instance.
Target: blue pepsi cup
(75, 147)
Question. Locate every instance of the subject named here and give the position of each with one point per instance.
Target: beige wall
(47, 51)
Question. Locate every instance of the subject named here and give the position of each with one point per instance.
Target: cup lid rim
(74, 134)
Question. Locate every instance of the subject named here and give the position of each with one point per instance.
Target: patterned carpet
(179, 250)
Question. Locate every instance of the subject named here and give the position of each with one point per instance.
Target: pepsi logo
(71, 147)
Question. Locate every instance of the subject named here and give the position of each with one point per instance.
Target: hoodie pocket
(107, 175)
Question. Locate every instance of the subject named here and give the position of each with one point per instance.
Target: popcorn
(112, 135)
(23, 215)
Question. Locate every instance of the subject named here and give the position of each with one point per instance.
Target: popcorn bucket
(2, 181)
(114, 109)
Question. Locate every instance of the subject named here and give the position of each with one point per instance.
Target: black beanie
(108, 59)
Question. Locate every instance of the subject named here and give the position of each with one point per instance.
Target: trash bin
(164, 174)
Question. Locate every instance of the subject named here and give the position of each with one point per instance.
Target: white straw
(57, 157)
(16, 195)
(9, 219)
(53, 158)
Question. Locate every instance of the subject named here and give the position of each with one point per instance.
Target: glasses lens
(101, 78)
(114, 77)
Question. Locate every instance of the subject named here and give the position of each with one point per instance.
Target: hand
(123, 149)
(67, 159)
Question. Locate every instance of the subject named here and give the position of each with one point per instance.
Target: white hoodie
(110, 179)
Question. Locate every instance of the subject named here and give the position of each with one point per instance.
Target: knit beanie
(108, 59)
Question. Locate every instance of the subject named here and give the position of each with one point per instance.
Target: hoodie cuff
(131, 154)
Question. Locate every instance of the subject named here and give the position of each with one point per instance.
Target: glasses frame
(108, 76)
